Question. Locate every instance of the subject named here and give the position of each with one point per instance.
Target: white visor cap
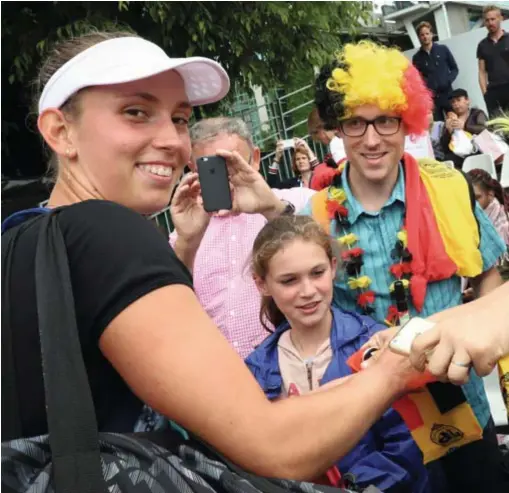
(127, 59)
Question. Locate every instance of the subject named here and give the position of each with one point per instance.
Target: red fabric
(322, 177)
(334, 476)
(354, 361)
(392, 314)
(407, 409)
(430, 261)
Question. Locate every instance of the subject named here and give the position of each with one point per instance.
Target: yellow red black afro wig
(367, 73)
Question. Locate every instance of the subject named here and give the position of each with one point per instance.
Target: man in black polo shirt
(437, 67)
(493, 56)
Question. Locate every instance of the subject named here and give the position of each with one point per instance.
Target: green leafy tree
(258, 43)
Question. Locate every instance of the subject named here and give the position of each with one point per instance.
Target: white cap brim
(127, 59)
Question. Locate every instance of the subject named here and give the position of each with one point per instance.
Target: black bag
(74, 457)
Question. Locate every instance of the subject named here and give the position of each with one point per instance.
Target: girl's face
(302, 162)
(300, 281)
(483, 197)
(132, 141)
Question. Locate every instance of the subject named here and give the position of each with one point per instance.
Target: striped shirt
(377, 233)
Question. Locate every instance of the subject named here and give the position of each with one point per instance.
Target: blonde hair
(270, 240)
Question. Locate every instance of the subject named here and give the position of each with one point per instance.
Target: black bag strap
(11, 420)
(72, 424)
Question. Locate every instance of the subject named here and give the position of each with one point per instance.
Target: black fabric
(497, 99)
(10, 406)
(71, 419)
(115, 257)
(496, 59)
(446, 396)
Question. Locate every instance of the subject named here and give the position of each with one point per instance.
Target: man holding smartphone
(217, 247)
(385, 209)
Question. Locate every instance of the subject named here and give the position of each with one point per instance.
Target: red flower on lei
(334, 208)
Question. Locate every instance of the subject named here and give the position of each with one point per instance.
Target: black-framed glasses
(357, 126)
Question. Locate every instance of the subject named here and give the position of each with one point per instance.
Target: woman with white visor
(114, 111)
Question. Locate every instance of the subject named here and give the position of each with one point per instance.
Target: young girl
(294, 266)
(490, 195)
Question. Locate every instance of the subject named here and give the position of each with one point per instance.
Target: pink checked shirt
(222, 278)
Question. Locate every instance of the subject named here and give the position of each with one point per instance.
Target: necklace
(352, 258)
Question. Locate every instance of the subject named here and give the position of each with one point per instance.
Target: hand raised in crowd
(188, 215)
(280, 147)
(250, 192)
(302, 144)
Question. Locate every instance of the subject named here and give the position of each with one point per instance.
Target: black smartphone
(215, 187)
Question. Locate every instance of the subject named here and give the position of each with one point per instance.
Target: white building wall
(442, 23)
(464, 49)
(458, 18)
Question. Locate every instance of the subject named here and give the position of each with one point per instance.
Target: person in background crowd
(320, 133)
(490, 196)
(493, 57)
(386, 209)
(216, 249)
(438, 68)
(303, 163)
(500, 126)
(462, 117)
(294, 266)
(144, 336)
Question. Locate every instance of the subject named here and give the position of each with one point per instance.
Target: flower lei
(352, 259)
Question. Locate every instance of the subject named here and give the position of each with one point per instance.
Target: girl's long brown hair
(274, 236)
(484, 180)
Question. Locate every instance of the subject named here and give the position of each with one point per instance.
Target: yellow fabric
(442, 432)
(503, 372)
(319, 209)
(450, 198)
